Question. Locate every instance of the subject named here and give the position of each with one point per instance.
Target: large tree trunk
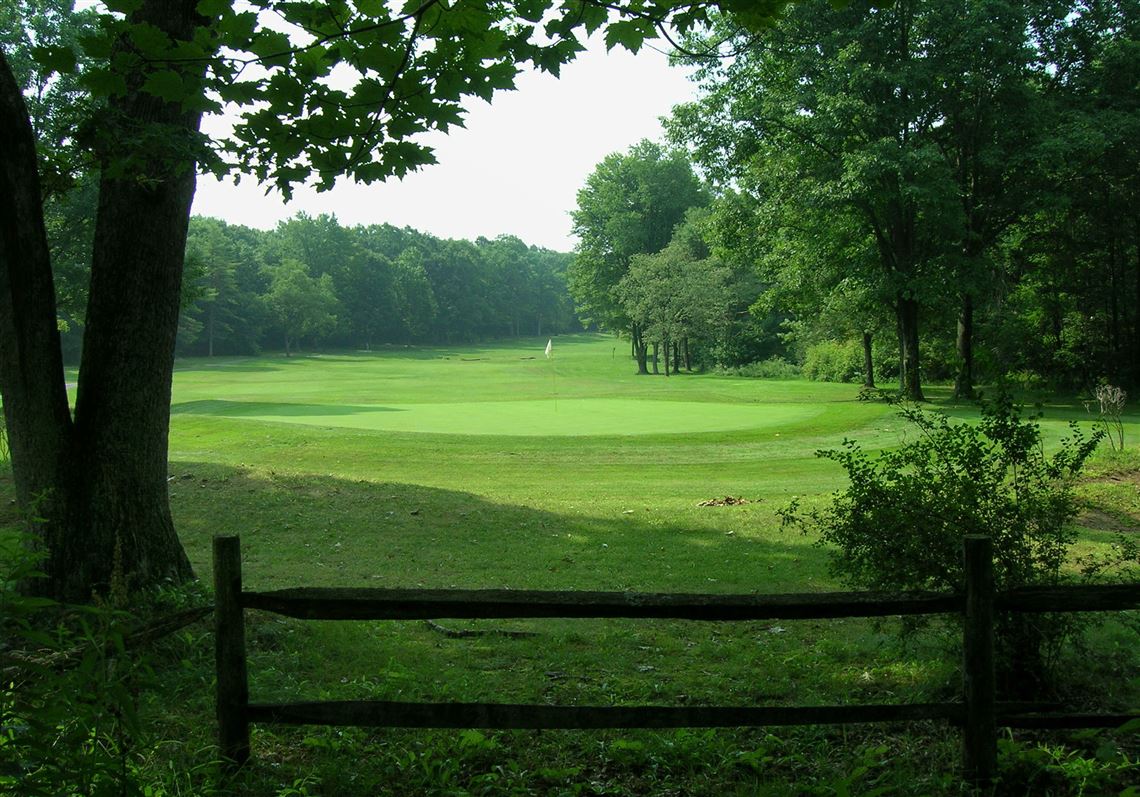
(902, 361)
(36, 412)
(868, 362)
(1136, 315)
(639, 350)
(656, 351)
(102, 478)
(964, 380)
(907, 310)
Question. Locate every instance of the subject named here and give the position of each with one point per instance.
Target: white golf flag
(549, 348)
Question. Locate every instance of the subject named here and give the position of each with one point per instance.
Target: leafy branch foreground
(900, 522)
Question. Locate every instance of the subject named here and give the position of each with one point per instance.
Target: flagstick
(554, 382)
(553, 372)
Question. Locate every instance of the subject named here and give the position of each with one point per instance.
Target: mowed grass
(490, 466)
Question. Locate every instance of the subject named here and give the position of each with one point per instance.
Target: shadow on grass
(224, 364)
(239, 409)
(320, 530)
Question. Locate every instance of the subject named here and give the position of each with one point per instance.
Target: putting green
(566, 417)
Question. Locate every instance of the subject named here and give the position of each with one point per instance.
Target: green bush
(1042, 768)
(900, 522)
(67, 697)
(772, 368)
(834, 361)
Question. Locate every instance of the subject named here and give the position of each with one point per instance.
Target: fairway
(578, 417)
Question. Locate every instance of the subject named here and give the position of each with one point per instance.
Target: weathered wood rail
(978, 713)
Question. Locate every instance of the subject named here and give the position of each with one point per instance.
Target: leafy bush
(67, 698)
(772, 368)
(900, 522)
(1041, 768)
(834, 361)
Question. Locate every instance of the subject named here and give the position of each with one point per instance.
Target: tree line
(911, 191)
(314, 282)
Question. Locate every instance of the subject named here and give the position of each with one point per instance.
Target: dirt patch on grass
(1100, 520)
(1122, 477)
(1110, 502)
(728, 500)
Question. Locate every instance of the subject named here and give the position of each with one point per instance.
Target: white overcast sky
(516, 168)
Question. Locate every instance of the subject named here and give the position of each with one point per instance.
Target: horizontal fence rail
(978, 713)
(315, 603)
(389, 714)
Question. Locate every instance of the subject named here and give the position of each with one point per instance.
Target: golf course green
(598, 416)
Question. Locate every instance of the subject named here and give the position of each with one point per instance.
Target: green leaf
(55, 59)
(96, 45)
(268, 43)
(150, 40)
(213, 8)
(533, 10)
(593, 17)
(123, 6)
(625, 33)
(372, 8)
(166, 85)
(103, 82)
(238, 28)
(241, 93)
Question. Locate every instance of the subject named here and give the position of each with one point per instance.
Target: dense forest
(312, 282)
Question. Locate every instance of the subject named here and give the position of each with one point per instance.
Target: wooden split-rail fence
(978, 713)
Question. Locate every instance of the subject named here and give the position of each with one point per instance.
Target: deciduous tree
(629, 206)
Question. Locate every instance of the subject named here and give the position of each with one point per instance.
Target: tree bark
(688, 359)
(964, 380)
(99, 482)
(1136, 315)
(639, 351)
(902, 348)
(656, 346)
(1114, 302)
(868, 361)
(668, 350)
(908, 336)
(36, 411)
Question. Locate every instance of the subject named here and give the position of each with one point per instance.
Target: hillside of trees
(312, 282)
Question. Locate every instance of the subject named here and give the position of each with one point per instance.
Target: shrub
(67, 704)
(1110, 401)
(772, 368)
(834, 361)
(900, 522)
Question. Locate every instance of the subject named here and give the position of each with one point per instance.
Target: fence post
(979, 754)
(229, 639)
